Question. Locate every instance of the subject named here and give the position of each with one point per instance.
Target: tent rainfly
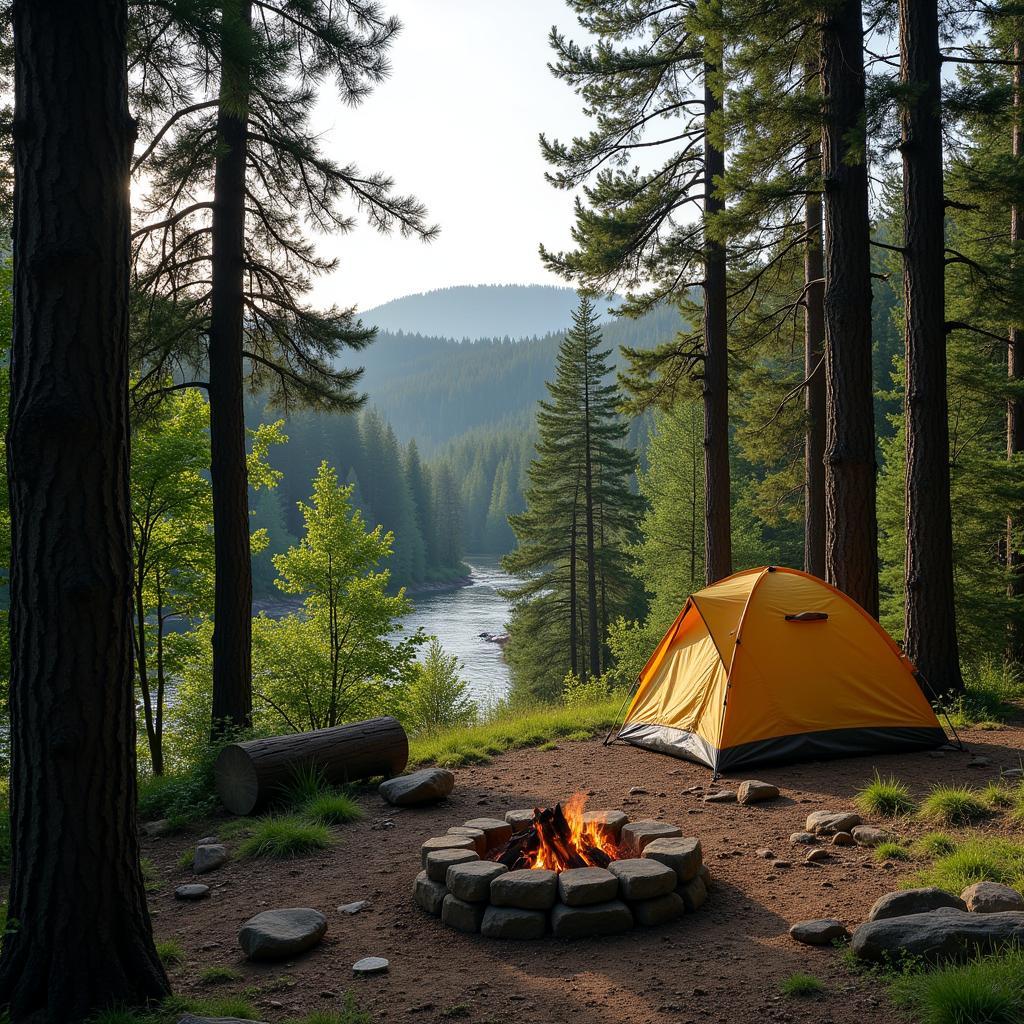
(772, 665)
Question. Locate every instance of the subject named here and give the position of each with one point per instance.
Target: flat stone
(354, 907)
(868, 835)
(513, 923)
(752, 791)
(520, 818)
(281, 934)
(475, 834)
(938, 935)
(643, 879)
(580, 887)
(208, 841)
(822, 931)
(192, 892)
(439, 861)
(446, 843)
(598, 919)
(472, 882)
(913, 901)
(721, 796)
(637, 834)
(828, 823)
(682, 855)
(660, 910)
(843, 839)
(497, 832)
(423, 787)
(798, 838)
(160, 827)
(818, 856)
(429, 895)
(766, 854)
(637, 791)
(371, 965)
(608, 824)
(694, 894)
(525, 889)
(460, 915)
(991, 898)
(209, 857)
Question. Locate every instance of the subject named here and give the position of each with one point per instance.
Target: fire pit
(560, 870)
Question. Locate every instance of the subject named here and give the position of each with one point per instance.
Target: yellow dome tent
(773, 665)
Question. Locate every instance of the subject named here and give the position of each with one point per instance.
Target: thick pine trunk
(232, 614)
(593, 636)
(814, 372)
(930, 638)
(851, 533)
(574, 661)
(717, 502)
(83, 938)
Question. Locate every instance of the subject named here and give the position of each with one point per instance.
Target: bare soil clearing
(721, 964)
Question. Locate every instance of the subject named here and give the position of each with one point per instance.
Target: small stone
(472, 882)
(599, 919)
(192, 892)
(579, 887)
(806, 838)
(207, 841)
(371, 965)
(991, 898)
(766, 854)
(660, 910)
(476, 835)
(913, 901)
(721, 796)
(429, 895)
(936, 753)
(816, 856)
(694, 894)
(460, 915)
(520, 819)
(868, 835)
(353, 908)
(525, 889)
(683, 856)
(979, 762)
(422, 787)
(844, 839)
(752, 791)
(782, 864)
(513, 923)
(643, 879)
(209, 857)
(607, 824)
(281, 934)
(819, 932)
(828, 823)
(445, 843)
(637, 834)
(439, 861)
(498, 832)
(637, 791)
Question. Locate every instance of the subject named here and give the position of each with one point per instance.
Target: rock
(423, 787)
(979, 762)
(818, 856)
(281, 934)
(519, 819)
(798, 838)
(497, 832)
(160, 827)
(475, 834)
(828, 823)
(844, 839)
(452, 842)
(599, 919)
(525, 889)
(705, 876)
(991, 898)
(371, 965)
(752, 791)
(192, 892)
(937, 935)
(353, 908)
(637, 791)
(637, 834)
(694, 894)
(580, 887)
(683, 856)
(721, 796)
(782, 864)
(819, 932)
(429, 895)
(642, 878)
(207, 841)
(913, 901)
(868, 835)
(513, 923)
(608, 824)
(460, 915)
(209, 858)
(766, 854)
(660, 910)
(472, 882)
(439, 861)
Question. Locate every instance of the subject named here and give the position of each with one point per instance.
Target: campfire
(557, 839)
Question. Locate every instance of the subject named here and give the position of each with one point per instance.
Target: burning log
(556, 840)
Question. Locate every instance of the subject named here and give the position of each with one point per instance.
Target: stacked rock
(661, 878)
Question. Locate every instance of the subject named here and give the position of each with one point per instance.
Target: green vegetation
(889, 797)
(438, 697)
(801, 986)
(975, 859)
(171, 1010)
(954, 805)
(171, 952)
(218, 975)
(150, 875)
(891, 851)
(332, 809)
(280, 837)
(348, 1014)
(935, 844)
(998, 797)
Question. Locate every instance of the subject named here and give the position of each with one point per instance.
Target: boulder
(913, 901)
(452, 842)
(694, 893)
(660, 910)
(991, 898)
(209, 857)
(819, 932)
(497, 832)
(580, 887)
(599, 919)
(192, 892)
(460, 915)
(683, 856)
(868, 835)
(752, 791)
(643, 879)
(475, 834)
(637, 834)
(423, 787)
(941, 934)
(281, 934)
(472, 882)
(513, 923)
(429, 895)
(608, 824)
(828, 823)
(439, 861)
(526, 889)
(520, 819)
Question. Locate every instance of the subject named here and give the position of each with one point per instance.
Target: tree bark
(851, 533)
(814, 373)
(717, 501)
(232, 616)
(593, 638)
(930, 638)
(83, 940)
(574, 661)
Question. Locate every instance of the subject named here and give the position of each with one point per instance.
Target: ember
(558, 838)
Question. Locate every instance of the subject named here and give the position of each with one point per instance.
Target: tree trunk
(83, 939)
(574, 662)
(851, 533)
(593, 637)
(930, 638)
(717, 501)
(814, 372)
(232, 614)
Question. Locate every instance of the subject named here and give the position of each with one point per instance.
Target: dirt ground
(721, 965)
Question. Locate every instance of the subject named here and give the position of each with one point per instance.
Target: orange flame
(585, 844)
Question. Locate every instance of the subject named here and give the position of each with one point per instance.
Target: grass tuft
(891, 850)
(170, 952)
(332, 809)
(954, 805)
(997, 797)
(285, 837)
(801, 986)
(218, 976)
(150, 875)
(935, 844)
(978, 859)
(348, 1014)
(889, 797)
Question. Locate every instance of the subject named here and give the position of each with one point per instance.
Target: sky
(456, 125)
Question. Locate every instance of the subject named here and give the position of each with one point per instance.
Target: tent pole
(918, 674)
(618, 714)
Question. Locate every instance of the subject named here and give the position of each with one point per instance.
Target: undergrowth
(889, 797)
(954, 805)
(280, 837)
(801, 986)
(975, 859)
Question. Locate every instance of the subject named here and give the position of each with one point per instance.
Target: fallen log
(248, 775)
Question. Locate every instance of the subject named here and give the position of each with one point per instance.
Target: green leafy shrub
(437, 696)
(954, 805)
(281, 837)
(989, 697)
(801, 986)
(889, 797)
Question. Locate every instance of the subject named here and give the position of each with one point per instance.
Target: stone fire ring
(662, 877)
